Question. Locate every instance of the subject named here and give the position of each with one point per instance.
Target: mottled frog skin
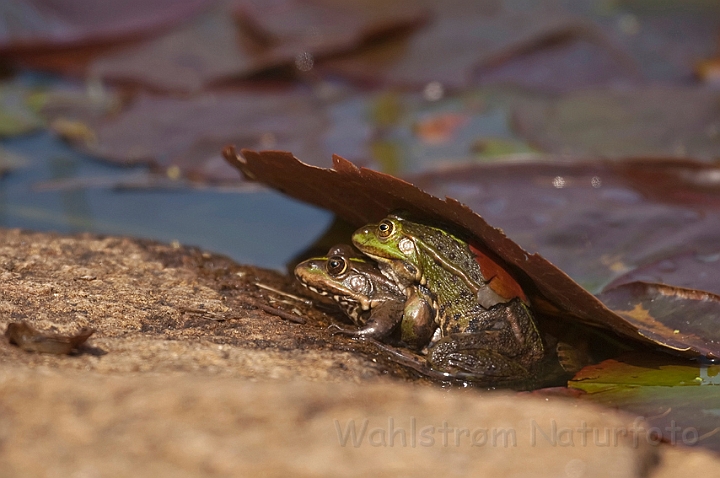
(484, 331)
(375, 303)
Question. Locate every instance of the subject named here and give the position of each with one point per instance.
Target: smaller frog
(376, 304)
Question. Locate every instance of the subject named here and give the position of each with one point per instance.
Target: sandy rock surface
(187, 375)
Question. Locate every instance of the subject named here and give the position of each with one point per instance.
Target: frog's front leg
(476, 356)
(382, 322)
(418, 322)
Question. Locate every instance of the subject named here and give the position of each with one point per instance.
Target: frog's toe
(335, 329)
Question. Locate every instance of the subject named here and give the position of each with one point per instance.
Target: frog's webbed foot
(463, 355)
(411, 360)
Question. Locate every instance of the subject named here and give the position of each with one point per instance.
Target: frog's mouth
(345, 297)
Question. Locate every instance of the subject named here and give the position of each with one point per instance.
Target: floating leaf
(361, 196)
(187, 59)
(213, 47)
(659, 120)
(183, 137)
(598, 220)
(690, 270)
(325, 27)
(678, 399)
(482, 35)
(33, 24)
(674, 317)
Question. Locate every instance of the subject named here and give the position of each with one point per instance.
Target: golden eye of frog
(375, 303)
(486, 327)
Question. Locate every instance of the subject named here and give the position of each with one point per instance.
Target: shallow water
(262, 227)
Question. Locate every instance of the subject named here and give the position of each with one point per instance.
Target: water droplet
(558, 182)
(304, 61)
(628, 24)
(707, 257)
(433, 91)
(596, 182)
(267, 140)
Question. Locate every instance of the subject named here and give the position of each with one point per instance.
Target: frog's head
(341, 275)
(388, 242)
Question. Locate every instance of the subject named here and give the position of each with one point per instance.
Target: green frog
(375, 303)
(485, 327)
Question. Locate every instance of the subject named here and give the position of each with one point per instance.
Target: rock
(187, 376)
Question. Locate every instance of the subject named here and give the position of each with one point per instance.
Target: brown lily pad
(34, 24)
(599, 221)
(672, 316)
(690, 270)
(256, 36)
(325, 27)
(183, 137)
(481, 36)
(31, 340)
(186, 59)
(659, 120)
(360, 196)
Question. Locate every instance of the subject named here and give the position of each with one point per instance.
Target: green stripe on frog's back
(455, 257)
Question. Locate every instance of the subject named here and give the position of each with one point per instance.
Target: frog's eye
(385, 228)
(336, 265)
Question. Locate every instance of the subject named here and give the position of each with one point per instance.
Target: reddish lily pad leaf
(658, 120)
(678, 400)
(183, 137)
(31, 340)
(672, 316)
(666, 39)
(34, 24)
(498, 278)
(189, 58)
(361, 196)
(480, 35)
(689, 270)
(563, 66)
(596, 220)
(325, 27)
(272, 34)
